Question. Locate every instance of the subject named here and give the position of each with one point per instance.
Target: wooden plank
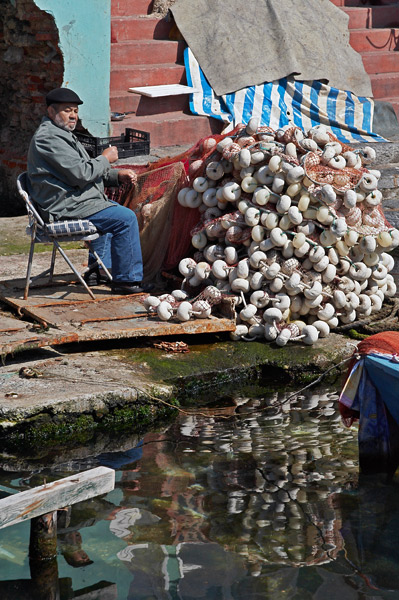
(53, 496)
(115, 330)
(157, 91)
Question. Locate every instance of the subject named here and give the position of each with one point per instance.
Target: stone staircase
(142, 54)
(374, 33)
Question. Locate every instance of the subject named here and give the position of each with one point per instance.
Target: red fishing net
(386, 342)
(366, 220)
(341, 179)
(165, 225)
(168, 239)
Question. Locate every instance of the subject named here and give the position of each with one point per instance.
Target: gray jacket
(62, 179)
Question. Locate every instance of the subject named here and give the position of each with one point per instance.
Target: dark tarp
(239, 44)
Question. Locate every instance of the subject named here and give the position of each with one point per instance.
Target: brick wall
(31, 64)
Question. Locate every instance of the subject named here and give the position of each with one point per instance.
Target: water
(245, 501)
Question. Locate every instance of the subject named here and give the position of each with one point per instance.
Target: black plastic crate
(131, 143)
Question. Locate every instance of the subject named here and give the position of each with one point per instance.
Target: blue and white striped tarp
(279, 103)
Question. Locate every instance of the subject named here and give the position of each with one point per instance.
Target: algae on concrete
(87, 388)
(222, 360)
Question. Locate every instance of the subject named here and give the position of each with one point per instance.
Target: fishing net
(196, 157)
(341, 179)
(386, 342)
(160, 217)
(165, 226)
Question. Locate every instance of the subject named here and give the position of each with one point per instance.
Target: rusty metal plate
(71, 316)
(15, 333)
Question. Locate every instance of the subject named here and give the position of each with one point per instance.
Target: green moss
(306, 378)
(223, 364)
(46, 430)
(140, 416)
(355, 335)
(43, 432)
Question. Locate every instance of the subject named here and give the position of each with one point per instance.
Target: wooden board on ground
(55, 495)
(67, 314)
(158, 91)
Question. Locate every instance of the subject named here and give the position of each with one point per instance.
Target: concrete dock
(54, 381)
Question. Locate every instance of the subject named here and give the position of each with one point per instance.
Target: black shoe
(93, 277)
(122, 287)
(147, 287)
(139, 286)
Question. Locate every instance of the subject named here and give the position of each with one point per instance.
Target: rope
(315, 381)
(387, 318)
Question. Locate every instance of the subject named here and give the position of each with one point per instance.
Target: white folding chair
(52, 233)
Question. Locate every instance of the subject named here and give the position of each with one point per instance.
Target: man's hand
(111, 154)
(127, 176)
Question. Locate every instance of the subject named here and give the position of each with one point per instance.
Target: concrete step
(125, 77)
(371, 40)
(142, 105)
(171, 129)
(146, 52)
(125, 29)
(381, 62)
(127, 8)
(366, 17)
(385, 85)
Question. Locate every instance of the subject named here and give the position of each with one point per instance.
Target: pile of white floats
(292, 227)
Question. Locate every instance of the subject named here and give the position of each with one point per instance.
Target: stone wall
(31, 64)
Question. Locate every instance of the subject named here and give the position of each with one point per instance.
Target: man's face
(64, 115)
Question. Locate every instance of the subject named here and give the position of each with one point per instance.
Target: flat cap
(62, 95)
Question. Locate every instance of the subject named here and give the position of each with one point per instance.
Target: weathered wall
(46, 44)
(84, 28)
(30, 65)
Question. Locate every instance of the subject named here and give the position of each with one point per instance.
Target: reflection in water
(245, 502)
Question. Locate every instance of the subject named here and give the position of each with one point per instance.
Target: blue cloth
(377, 402)
(102, 246)
(384, 373)
(284, 102)
(374, 434)
(122, 249)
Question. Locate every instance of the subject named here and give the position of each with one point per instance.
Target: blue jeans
(120, 249)
(102, 246)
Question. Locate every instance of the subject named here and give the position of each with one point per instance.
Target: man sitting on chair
(66, 183)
